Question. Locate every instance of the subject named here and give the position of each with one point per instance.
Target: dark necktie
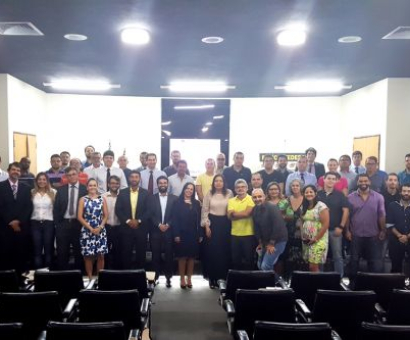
(356, 169)
(310, 168)
(108, 178)
(151, 183)
(71, 203)
(302, 177)
(14, 189)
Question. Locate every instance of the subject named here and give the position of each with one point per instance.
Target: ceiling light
(212, 40)
(292, 36)
(166, 123)
(135, 36)
(168, 133)
(208, 123)
(75, 37)
(218, 117)
(194, 107)
(349, 39)
(82, 85)
(314, 86)
(198, 87)
(205, 129)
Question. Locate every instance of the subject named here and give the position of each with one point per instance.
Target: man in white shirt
(103, 174)
(3, 174)
(96, 164)
(150, 174)
(176, 182)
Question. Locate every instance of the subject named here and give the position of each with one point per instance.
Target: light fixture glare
(194, 107)
(82, 85)
(135, 36)
(198, 87)
(314, 86)
(292, 36)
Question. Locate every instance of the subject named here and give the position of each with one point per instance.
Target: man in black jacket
(160, 206)
(15, 212)
(68, 228)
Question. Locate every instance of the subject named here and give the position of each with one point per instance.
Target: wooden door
(25, 145)
(368, 145)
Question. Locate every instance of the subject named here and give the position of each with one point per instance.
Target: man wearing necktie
(301, 174)
(102, 174)
(150, 175)
(15, 211)
(314, 168)
(357, 167)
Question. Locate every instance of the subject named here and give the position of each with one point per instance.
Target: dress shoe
(168, 284)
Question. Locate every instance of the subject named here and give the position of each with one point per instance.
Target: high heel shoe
(183, 286)
(189, 285)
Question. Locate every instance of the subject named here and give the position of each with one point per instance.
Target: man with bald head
(82, 176)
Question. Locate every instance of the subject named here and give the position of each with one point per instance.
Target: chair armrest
(42, 335)
(222, 285)
(134, 334)
(242, 335)
(90, 284)
(303, 309)
(282, 283)
(335, 336)
(145, 307)
(380, 313)
(69, 309)
(229, 307)
(344, 286)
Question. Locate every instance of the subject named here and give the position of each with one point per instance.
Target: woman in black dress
(187, 232)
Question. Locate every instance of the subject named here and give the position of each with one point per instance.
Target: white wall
(4, 121)
(261, 125)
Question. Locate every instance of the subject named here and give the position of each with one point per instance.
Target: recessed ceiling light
(135, 36)
(205, 129)
(166, 123)
(314, 86)
(218, 117)
(198, 87)
(168, 133)
(82, 85)
(75, 37)
(194, 107)
(208, 123)
(292, 36)
(349, 39)
(212, 40)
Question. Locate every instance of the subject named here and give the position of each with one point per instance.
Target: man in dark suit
(65, 217)
(132, 210)
(160, 206)
(315, 168)
(15, 212)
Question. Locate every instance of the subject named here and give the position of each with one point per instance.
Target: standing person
(274, 195)
(341, 184)
(315, 239)
(123, 164)
(55, 173)
(88, 151)
(220, 163)
(96, 164)
(177, 181)
(82, 176)
(204, 181)
(162, 220)
(132, 210)
(65, 217)
(301, 174)
(143, 161)
(26, 176)
(270, 231)
(65, 159)
(269, 174)
(113, 258)
(93, 215)
(377, 177)
(15, 212)
(256, 182)
(339, 216)
(345, 172)
(283, 168)
(237, 171)
(173, 168)
(367, 226)
(42, 224)
(150, 175)
(398, 222)
(187, 232)
(217, 227)
(314, 168)
(3, 174)
(404, 176)
(103, 174)
(357, 166)
(243, 240)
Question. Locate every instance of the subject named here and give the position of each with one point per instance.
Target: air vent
(19, 28)
(401, 32)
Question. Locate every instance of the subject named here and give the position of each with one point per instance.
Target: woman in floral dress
(315, 237)
(93, 214)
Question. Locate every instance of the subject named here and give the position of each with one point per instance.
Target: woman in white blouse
(42, 224)
(217, 230)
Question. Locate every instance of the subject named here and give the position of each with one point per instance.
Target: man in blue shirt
(404, 176)
(302, 175)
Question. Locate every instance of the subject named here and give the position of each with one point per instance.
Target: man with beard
(160, 229)
(367, 227)
(398, 221)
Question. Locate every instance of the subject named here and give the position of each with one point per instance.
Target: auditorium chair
(11, 331)
(371, 331)
(265, 330)
(9, 281)
(398, 311)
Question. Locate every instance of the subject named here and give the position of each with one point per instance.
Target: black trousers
(397, 253)
(68, 234)
(14, 248)
(162, 243)
(113, 258)
(133, 239)
(371, 249)
(243, 252)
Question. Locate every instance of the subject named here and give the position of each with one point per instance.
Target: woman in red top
(341, 184)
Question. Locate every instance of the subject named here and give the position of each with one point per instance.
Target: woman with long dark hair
(187, 232)
(217, 228)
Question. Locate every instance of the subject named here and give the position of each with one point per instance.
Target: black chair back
(103, 306)
(306, 284)
(381, 283)
(247, 279)
(33, 310)
(398, 312)
(67, 283)
(123, 280)
(9, 281)
(86, 331)
(268, 305)
(344, 311)
(371, 331)
(290, 331)
(11, 331)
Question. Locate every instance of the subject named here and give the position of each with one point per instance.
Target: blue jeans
(336, 248)
(267, 261)
(43, 238)
(371, 249)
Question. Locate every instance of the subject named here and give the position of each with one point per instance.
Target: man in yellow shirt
(204, 181)
(243, 242)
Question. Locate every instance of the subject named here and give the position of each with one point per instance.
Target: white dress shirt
(90, 171)
(145, 174)
(3, 175)
(176, 184)
(76, 191)
(112, 217)
(163, 199)
(100, 175)
(42, 207)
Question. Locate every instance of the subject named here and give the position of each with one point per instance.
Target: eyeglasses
(220, 159)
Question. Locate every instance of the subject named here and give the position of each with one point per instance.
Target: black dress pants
(133, 239)
(162, 243)
(397, 253)
(68, 234)
(243, 252)
(113, 258)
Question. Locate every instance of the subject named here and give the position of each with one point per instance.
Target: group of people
(275, 219)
